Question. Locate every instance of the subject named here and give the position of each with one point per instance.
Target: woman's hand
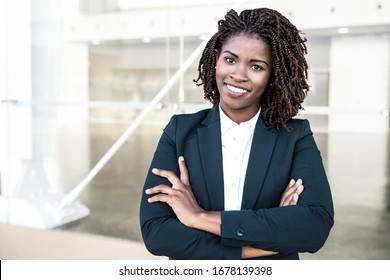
(179, 197)
(290, 196)
(292, 192)
(248, 252)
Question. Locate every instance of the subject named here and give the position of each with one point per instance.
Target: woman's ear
(216, 54)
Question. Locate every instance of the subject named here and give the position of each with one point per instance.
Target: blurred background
(86, 88)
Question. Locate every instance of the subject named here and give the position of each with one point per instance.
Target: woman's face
(243, 68)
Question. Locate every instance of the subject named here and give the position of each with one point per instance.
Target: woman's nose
(239, 74)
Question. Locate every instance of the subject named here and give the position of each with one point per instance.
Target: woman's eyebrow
(253, 60)
(260, 61)
(229, 52)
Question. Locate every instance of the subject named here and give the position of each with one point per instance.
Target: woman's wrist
(209, 221)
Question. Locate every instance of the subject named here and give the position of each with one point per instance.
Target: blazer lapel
(210, 144)
(263, 144)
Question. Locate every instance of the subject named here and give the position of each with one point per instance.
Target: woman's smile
(235, 92)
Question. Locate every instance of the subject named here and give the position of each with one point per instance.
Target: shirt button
(240, 232)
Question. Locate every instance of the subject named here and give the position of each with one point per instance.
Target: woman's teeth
(237, 90)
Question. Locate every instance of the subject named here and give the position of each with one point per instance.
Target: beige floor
(21, 243)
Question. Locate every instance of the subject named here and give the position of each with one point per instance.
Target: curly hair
(287, 86)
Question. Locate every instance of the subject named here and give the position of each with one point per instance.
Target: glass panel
(317, 98)
(83, 96)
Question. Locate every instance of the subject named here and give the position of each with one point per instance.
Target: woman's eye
(257, 67)
(229, 60)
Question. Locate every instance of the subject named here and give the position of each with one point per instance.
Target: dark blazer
(276, 157)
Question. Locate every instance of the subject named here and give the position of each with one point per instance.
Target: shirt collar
(227, 123)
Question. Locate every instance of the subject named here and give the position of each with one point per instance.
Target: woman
(242, 180)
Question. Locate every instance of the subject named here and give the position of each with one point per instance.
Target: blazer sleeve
(290, 229)
(162, 232)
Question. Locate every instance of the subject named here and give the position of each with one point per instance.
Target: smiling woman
(242, 74)
(243, 180)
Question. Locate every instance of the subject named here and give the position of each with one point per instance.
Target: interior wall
(359, 83)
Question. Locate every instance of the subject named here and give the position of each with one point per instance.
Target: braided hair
(287, 86)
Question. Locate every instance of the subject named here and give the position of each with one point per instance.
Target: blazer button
(240, 232)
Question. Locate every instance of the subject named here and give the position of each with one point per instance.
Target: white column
(359, 83)
(31, 64)
(15, 84)
(74, 82)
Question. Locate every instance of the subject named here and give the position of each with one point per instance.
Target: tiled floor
(357, 165)
(26, 243)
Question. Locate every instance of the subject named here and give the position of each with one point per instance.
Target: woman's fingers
(248, 252)
(163, 193)
(291, 194)
(184, 177)
(160, 189)
(288, 190)
(170, 175)
(179, 197)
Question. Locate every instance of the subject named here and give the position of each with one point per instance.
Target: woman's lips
(235, 91)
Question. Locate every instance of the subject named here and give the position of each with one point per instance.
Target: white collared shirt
(236, 146)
